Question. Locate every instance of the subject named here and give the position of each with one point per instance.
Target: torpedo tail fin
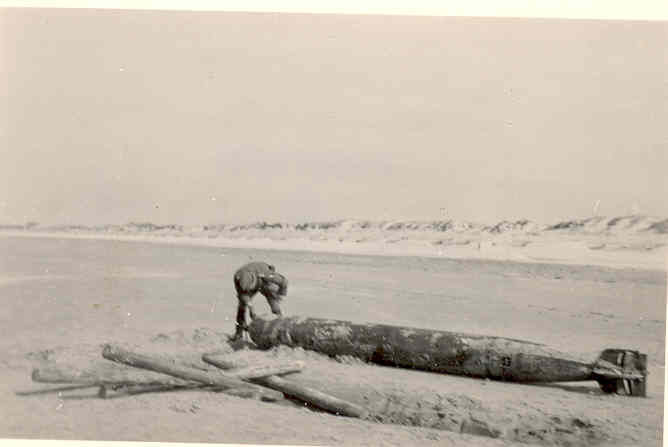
(622, 371)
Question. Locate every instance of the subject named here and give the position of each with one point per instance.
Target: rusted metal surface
(489, 357)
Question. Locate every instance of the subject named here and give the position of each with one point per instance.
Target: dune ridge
(632, 224)
(632, 241)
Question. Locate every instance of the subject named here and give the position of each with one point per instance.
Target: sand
(65, 294)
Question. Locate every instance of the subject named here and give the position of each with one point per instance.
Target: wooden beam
(308, 395)
(68, 375)
(255, 371)
(120, 355)
(314, 397)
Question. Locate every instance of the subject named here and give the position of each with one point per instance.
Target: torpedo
(620, 371)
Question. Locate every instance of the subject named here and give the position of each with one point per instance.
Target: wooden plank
(314, 397)
(69, 375)
(255, 371)
(311, 396)
(59, 389)
(110, 392)
(120, 355)
(224, 361)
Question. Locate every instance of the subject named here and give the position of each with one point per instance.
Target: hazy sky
(117, 116)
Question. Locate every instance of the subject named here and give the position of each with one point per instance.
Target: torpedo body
(490, 357)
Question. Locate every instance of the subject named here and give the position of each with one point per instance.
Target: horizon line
(33, 223)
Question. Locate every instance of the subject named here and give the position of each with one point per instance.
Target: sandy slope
(63, 298)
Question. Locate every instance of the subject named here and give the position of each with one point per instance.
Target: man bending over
(248, 281)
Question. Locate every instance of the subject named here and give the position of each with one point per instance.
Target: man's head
(276, 284)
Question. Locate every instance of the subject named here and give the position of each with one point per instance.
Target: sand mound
(86, 359)
(412, 398)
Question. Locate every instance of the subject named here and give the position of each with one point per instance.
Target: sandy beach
(66, 294)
